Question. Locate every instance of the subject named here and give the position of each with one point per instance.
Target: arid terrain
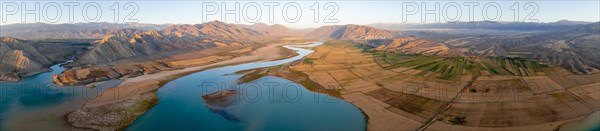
(536, 79)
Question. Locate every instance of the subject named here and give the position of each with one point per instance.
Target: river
(269, 103)
(36, 102)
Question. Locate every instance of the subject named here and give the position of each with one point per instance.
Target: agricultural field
(449, 68)
(398, 91)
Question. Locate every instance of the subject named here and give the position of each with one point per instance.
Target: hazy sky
(348, 12)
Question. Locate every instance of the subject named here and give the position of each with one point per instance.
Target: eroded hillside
(151, 45)
(21, 58)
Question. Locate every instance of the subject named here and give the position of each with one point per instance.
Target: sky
(304, 14)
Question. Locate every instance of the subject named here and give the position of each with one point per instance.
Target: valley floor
(410, 98)
(392, 97)
(117, 107)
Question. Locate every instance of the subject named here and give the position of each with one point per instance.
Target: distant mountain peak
(272, 30)
(74, 31)
(351, 32)
(260, 24)
(487, 25)
(215, 23)
(570, 22)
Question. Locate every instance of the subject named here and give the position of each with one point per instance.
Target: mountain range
(273, 30)
(575, 48)
(73, 31)
(489, 25)
(572, 45)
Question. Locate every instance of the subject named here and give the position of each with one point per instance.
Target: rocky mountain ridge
(171, 39)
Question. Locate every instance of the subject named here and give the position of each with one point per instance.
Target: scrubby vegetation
(284, 71)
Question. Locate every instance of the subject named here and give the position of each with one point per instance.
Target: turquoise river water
(268, 103)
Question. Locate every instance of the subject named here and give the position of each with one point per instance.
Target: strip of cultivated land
(411, 92)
